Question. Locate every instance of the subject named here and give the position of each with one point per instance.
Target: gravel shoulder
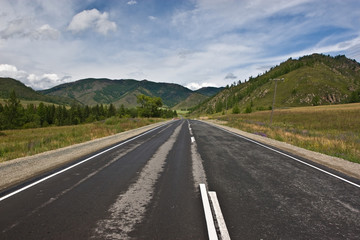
(18, 170)
(341, 165)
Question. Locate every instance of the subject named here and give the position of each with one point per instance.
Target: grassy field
(333, 130)
(26, 142)
(27, 102)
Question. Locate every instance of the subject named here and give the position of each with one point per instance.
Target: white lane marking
(219, 216)
(291, 157)
(129, 207)
(208, 215)
(192, 139)
(76, 164)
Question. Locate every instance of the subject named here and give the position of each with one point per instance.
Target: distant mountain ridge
(92, 91)
(7, 85)
(310, 80)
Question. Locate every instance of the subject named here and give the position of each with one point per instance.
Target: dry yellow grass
(332, 130)
(26, 142)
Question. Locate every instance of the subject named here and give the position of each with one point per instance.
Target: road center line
(286, 155)
(219, 216)
(208, 214)
(76, 164)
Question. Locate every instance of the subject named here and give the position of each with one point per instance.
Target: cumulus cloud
(24, 28)
(196, 86)
(92, 19)
(7, 70)
(132, 2)
(42, 81)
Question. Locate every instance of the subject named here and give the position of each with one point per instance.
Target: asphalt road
(147, 188)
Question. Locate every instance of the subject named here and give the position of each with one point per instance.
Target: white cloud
(92, 19)
(42, 81)
(24, 28)
(152, 18)
(132, 2)
(46, 32)
(196, 86)
(7, 70)
(16, 28)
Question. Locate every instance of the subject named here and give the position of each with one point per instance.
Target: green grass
(333, 130)
(26, 142)
(28, 102)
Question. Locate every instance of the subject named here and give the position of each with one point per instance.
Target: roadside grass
(182, 112)
(333, 130)
(27, 142)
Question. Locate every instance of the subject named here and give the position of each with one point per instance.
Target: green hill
(191, 101)
(7, 85)
(209, 91)
(311, 80)
(105, 91)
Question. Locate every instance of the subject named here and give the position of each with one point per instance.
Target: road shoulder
(338, 164)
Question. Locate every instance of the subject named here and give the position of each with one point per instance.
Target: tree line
(14, 115)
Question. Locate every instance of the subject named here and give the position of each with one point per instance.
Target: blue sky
(195, 43)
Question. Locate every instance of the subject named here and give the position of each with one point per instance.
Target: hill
(124, 91)
(193, 100)
(310, 80)
(7, 85)
(209, 91)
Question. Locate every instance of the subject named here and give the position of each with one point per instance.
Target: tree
(236, 109)
(14, 116)
(41, 111)
(355, 96)
(149, 106)
(111, 111)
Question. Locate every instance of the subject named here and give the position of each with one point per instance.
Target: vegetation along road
(147, 187)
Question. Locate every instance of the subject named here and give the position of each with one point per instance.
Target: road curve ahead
(148, 188)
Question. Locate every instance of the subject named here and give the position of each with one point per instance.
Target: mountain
(193, 100)
(93, 91)
(310, 80)
(7, 85)
(209, 91)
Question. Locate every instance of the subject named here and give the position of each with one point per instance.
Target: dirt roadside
(341, 165)
(21, 169)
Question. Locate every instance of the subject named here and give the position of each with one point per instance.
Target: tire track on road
(129, 209)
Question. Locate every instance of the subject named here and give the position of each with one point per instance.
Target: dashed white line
(192, 139)
(208, 214)
(224, 233)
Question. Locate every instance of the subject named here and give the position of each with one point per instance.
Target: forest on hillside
(13, 115)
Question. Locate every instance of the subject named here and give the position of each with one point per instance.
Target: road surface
(148, 188)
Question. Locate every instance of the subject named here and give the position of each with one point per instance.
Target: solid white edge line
(208, 214)
(77, 164)
(286, 155)
(192, 139)
(219, 216)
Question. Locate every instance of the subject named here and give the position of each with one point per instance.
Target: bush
(236, 109)
(248, 109)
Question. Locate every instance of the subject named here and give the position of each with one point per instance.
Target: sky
(195, 43)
